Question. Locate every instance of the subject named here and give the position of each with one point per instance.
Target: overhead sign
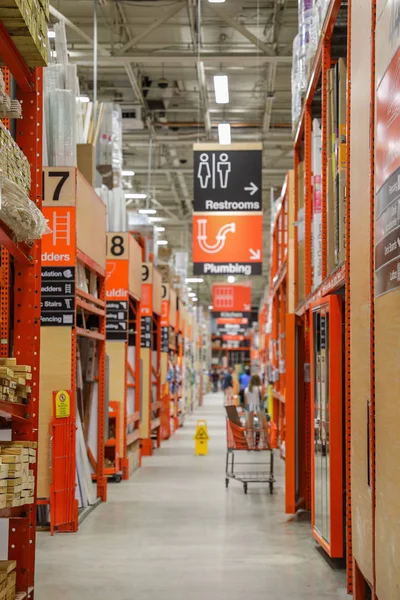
(235, 298)
(227, 180)
(227, 223)
(227, 244)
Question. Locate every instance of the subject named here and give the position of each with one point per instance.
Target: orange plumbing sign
(227, 244)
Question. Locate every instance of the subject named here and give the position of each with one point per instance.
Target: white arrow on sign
(252, 188)
(255, 254)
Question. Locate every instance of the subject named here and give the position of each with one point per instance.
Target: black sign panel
(387, 235)
(212, 268)
(57, 307)
(116, 320)
(228, 181)
(164, 339)
(146, 332)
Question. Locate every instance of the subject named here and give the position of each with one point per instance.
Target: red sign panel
(117, 280)
(227, 244)
(232, 298)
(238, 321)
(59, 246)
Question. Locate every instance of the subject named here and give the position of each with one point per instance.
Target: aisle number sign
(117, 296)
(228, 220)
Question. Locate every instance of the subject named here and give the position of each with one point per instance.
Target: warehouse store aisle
(174, 532)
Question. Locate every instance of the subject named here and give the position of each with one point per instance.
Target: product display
(17, 479)
(8, 579)
(15, 381)
(26, 22)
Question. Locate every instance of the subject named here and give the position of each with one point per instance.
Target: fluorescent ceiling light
(162, 242)
(160, 229)
(84, 99)
(192, 295)
(216, 1)
(128, 173)
(195, 299)
(156, 219)
(231, 279)
(210, 307)
(189, 289)
(221, 89)
(194, 280)
(54, 53)
(51, 34)
(135, 196)
(147, 211)
(224, 134)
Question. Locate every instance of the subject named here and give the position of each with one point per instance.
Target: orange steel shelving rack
(20, 296)
(300, 351)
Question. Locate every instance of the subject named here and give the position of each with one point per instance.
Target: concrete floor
(174, 532)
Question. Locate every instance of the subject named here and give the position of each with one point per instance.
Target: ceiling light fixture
(192, 294)
(128, 173)
(54, 53)
(136, 196)
(51, 34)
(194, 280)
(160, 229)
(147, 211)
(210, 307)
(221, 89)
(84, 99)
(189, 289)
(156, 219)
(162, 242)
(224, 134)
(195, 299)
(231, 279)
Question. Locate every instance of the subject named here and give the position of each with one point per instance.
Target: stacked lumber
(26, 23)
(15, 381)
(17, 479)
(8, 579)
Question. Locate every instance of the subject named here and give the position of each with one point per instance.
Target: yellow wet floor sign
(201, 438)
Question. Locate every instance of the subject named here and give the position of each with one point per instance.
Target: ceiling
(156, 59)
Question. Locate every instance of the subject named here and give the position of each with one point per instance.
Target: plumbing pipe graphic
(221, 236)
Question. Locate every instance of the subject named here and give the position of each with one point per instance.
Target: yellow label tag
(63, 404)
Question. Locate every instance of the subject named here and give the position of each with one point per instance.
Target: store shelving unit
(277, 307)
(123, 293)
(312, 291)
(150, 353)
(21, 337)
(73, 268)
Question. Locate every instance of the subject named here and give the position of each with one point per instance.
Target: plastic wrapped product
(19, 213)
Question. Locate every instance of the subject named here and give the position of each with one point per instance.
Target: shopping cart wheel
(245, 488)
(227, 482)
(271, 487)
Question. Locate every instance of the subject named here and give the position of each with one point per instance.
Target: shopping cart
(258, 441)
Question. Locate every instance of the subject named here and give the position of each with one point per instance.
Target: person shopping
(254, 404)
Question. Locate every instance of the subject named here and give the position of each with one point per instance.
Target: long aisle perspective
(174, 532)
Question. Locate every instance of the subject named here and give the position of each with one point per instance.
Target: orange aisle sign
(59, 246)
(117, 283)
(227, 244)
(232, 298)
(233, 321)
(117, 280)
